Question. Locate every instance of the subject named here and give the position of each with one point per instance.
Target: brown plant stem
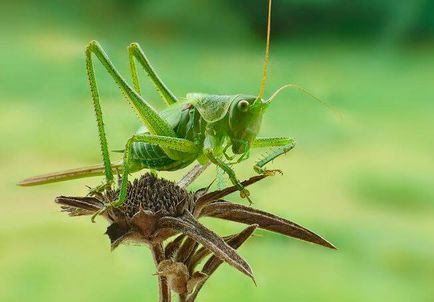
(158, 254)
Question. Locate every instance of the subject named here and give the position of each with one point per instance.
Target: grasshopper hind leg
(148, 115)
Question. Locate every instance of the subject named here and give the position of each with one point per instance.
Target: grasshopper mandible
(202, 128)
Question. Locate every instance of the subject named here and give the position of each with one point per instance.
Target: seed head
(156, 209)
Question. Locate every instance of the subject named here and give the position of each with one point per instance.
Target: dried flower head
(157, 209)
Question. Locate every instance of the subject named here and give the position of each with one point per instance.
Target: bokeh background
(365, 181)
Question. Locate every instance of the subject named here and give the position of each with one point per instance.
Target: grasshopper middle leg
(244, 193)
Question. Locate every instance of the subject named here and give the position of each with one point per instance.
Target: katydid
(201, 129)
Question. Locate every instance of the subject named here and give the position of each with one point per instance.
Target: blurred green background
(364, 182)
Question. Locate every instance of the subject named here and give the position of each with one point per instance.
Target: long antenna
(267, 53)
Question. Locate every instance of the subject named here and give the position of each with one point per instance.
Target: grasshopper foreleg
(282, 146)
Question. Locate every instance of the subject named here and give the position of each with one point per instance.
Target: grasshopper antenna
(267, 53)
(304, 91)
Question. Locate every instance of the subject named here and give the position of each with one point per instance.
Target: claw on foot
(267, 172)
(272, 172)
(244, 193)
(99, 212)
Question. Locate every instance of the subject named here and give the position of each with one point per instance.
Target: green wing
(211, 107)
(172, 115)
(69, 174)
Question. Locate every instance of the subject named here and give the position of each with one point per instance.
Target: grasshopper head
(244, 122)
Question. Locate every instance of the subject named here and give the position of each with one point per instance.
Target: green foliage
(395, 21)
(395, 191)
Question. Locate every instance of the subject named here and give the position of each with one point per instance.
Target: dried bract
(178, 277)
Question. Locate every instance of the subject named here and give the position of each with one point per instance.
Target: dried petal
(267, 221)
(173, 246)
(188, 225)
(77, 206)
(213, 263)
(118, 233)
(186, 250)
(146, 222)
(235, 241)
(215, 195)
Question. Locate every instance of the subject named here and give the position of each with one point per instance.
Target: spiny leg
(282, 144)
(146, 113)
(181, 145)
(135, 52)
(244, 193)
(100, 123)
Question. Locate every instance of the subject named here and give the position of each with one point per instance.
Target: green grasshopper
(202, 127)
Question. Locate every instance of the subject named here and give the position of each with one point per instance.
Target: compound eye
(243, 105)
